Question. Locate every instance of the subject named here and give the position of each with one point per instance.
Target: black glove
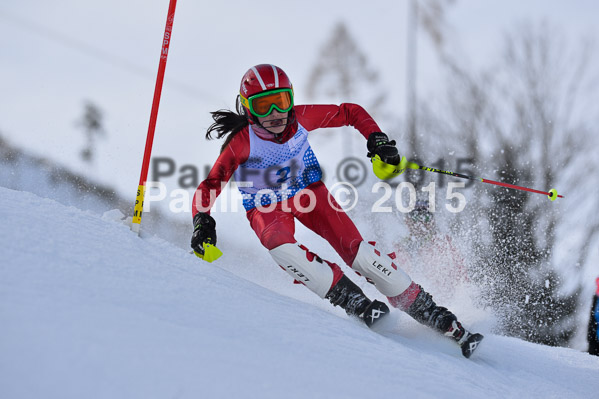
(379, 144)
(204, 230)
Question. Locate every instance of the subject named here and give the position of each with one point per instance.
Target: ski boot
(425, 311)
(466, 340)
(351, 298)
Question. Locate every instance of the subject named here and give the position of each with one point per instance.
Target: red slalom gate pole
(141, 188)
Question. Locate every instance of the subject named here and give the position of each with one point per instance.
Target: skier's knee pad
(306, 267)
(389, 279)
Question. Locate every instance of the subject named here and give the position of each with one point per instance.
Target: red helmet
(261, 78)
(265, 78)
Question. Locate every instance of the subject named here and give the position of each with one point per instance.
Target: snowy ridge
(23, 171)
(89, 310)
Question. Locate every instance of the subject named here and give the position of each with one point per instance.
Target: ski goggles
(262, 104)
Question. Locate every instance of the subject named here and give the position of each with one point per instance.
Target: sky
(60, 54)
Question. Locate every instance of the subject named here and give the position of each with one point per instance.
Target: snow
(90, 310)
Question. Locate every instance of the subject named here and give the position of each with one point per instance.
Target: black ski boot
(425, 311)
(374, 312)
(351, 298)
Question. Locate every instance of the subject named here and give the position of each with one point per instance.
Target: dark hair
(227, 123)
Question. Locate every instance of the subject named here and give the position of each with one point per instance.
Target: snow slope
(89, 310)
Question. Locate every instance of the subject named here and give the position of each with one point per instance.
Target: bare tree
(528, 121)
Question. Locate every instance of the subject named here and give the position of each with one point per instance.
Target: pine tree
(342, 71)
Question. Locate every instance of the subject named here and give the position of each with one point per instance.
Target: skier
(266, 145)
(593, 331)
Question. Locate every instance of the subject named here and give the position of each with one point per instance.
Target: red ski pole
(141, 188)
(552, 194)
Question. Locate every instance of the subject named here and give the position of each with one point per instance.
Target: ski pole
(552, 194)
(141, 188)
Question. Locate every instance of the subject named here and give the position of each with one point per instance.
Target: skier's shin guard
(306, 267)
(389, 279)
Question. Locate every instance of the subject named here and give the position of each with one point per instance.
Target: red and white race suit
(267, 165)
